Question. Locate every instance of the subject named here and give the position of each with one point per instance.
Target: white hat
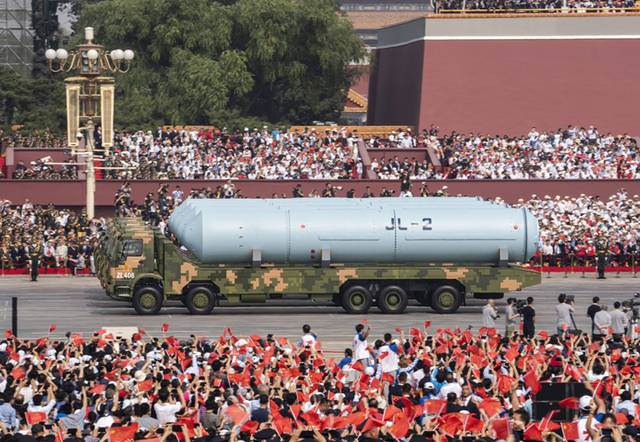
(585, 402)
(369, 371)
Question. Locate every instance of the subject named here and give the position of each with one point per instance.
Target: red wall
(72, 193)
(400, 67)
(507, 86)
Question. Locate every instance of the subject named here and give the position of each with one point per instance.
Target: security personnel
(35, 253)
(601, 255)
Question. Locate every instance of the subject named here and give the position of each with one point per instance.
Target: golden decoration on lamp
(89, 58)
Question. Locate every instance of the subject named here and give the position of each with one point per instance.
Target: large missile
(370, 230)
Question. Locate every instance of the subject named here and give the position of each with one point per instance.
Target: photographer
(489, 314)
(564, 313)
(511, 317)
(592, 310)
(528, 314)
(619, 322)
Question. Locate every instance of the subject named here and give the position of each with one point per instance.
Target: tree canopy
(203, 61)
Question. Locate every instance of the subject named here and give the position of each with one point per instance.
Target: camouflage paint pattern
(176, 269)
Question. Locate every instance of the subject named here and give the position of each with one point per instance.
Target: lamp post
(89, 98)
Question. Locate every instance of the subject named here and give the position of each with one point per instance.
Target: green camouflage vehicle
(138, 264)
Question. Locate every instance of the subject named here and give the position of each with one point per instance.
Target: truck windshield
(132, 247)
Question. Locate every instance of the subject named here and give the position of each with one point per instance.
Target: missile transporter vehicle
(355, 253)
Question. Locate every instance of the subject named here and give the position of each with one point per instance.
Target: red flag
(250, 426)
(544, 335)
(236, 413)
(532, 432)
(545, 423)
(435, 406)
(501, 428)
(621, 419)
(364, 321)
(18, 373)
(52, 328)
(123, 434)
(141, 331)
(59, 435)
(98, 389)
(357, 366)
(398, 330)
(390, 412)
(164, 328)
(371, 423)
(570, 402)
(570, 430)
(145, 385)
(427, 324)
(512, 353)
(400, 426)
(490, 406)
(33, 417)
(283, 425)
(8, 334)
(531, 381)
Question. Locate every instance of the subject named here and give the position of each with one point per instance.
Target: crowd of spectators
(571, 153)
(65, 239)
(533, 6)
(220, 154)
(570, 228)
(445, 384)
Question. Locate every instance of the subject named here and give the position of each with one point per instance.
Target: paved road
(78, 304)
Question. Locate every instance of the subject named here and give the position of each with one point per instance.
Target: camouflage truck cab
(140, 265)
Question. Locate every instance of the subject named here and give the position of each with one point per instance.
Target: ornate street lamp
(89, 97)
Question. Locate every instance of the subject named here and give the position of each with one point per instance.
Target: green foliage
(34, 103)
(203, 61)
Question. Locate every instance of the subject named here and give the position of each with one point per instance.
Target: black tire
(356, 299)
(392, 299)
(336, 299)
(445, 299)
(200, 300)
(147, 300)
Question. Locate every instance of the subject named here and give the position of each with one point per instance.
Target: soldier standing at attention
(35, 253)
(601, 255)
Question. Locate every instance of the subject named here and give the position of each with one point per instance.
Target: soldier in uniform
(405, 183)
(35, 253)
(601, 255)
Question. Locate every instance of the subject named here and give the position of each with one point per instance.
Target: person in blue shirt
(7, 412)
(348, 357)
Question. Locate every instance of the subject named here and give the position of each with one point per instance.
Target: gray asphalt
(79, 305)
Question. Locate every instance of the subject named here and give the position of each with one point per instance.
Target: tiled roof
(378, 20)
(355, 102)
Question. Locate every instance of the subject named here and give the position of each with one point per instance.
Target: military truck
(139, 264)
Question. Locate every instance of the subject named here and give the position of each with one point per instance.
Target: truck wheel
(356, 299)
(147, 300)
(200, 300)
(445, 299)
(392, 299)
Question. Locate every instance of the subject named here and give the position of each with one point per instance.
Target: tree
(203, 61)
(34, 103)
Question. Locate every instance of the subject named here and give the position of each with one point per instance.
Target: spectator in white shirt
(166, 408)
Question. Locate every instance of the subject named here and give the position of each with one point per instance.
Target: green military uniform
(601, 256)
(35, 254)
